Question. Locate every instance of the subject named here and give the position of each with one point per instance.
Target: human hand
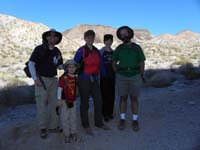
(37, 82)
(59, 103)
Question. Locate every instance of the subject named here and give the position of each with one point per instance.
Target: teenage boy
(91, 65)
(107, 82)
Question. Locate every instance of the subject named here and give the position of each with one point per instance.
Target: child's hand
(60, 103)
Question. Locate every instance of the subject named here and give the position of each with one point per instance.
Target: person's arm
(142, 66)
(142, 62)
(114, 66)
(78, 55)
(35, 58)
(32, 69)
(60, 61)
(102, 67)
(115, 59)
(59, 96)
(59, 93)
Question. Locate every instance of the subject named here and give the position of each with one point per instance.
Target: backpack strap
(83, 52)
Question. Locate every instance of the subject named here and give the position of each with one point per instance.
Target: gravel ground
(169, 120)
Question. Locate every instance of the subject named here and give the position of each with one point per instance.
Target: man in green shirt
(128, 63)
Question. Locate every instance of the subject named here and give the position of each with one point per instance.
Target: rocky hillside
(76, 34)
(18, 37)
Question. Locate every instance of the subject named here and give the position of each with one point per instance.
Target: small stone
(191, 102)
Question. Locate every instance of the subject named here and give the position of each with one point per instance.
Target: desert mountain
(18, 37)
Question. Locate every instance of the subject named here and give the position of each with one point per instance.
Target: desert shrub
(181, 61)
(161, 79)
(189, 71)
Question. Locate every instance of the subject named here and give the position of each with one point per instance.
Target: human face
(124, 33)
(125, 36)
(108, 43)
(89, 40)
(71, 68)
(52, 38)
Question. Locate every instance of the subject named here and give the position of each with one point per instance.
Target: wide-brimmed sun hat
(45, 34)
(130, 31)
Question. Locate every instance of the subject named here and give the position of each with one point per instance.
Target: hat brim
(45, 34)
(130, 31)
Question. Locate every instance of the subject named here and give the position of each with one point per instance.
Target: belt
(128, 68)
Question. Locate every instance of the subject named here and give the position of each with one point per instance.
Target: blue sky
(158, 16)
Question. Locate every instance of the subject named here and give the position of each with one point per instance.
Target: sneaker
(135, 125)
(68, 139)
(43, 133)
(89, 131)
(121, 125)
(76, 138)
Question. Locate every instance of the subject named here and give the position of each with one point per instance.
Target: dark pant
(86, 89)
(108, 95)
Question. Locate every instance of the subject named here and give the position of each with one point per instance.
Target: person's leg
(96, 94)
(122, 106)
(73, 124)
(105, 97)
(134, 104)
(112, 98)
(123, 91)
(41, 104)
(52, 85)
(134, 108)
(135, 90)
(64, 116)
(72, 119)
(102, 85)
(84, 91)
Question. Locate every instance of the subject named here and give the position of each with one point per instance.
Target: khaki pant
(68, 119)
(46, 102)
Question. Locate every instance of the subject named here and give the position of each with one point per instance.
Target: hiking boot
(104, 127)
(89, 131)
(76, 138)
(121, 125)
(55, 130)
(68, 139)
(43, 133)
(135, 125)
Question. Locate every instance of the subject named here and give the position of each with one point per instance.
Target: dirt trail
(169, 120)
